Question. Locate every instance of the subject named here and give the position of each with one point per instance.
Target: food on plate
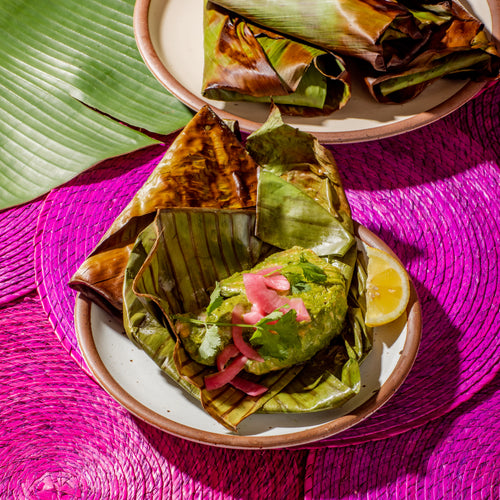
(293, 303)
(238, 271)
(301, 56)
(387, 288)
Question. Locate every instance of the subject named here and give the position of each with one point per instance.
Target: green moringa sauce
(320, 286)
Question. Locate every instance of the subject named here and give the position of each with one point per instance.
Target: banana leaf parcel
(398, 48)
(185, 261)
(244, 61)
(205, 158)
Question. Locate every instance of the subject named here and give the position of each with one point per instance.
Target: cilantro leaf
(215, 299)
(210, 343)
(297, 283)
(312, 272)
(300, 286)
(276, 334)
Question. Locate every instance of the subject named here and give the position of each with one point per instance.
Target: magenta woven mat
(16, 250)
(71, 221)
(454, 457)
(431, 194)
(63, 438)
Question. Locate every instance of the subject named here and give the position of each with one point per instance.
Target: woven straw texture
(62, 437)
(72, 220)
(454, 457)
(431, 194)
(15, 224)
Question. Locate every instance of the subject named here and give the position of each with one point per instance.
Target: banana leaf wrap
(399, 48)
(459, 47)
(329, 379)
(372, 30)
(191, 251)
(178, 258)
(206, 166)
(246, 62)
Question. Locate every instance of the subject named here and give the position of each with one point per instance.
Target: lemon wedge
(387, 288)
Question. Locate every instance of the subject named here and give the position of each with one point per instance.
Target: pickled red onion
(224, 376)
(266, 300)
(248, 387)
(237, 333)
(230, 351)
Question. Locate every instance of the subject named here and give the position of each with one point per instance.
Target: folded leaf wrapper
(458, 47)
(174, 252)
(371, 30)
(399, 47)
(206, 166)
(246, 62)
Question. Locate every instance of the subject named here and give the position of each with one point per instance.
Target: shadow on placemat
(63, 437)
(17, 230)
(441, 150)
(451, 457)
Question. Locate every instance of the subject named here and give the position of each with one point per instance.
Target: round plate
(169, 35)
(135, 381)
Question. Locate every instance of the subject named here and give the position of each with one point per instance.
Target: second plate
(169, 35)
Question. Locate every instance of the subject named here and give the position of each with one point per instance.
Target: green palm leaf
(71, 80)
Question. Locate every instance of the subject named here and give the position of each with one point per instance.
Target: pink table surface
(62, 436)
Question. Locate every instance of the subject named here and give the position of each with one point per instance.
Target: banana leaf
(205, 166)
(178, 259)
(295, 167)
(399, 48)
(192, 250)
(142, 320)
(459, 49)
(246, 62)
(371, 30)
(288, 217)
(173, 267)
(300, 196)
(172, 270)
(71, 80)
(173, 253)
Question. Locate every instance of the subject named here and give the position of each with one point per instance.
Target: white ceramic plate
(135, 381)
(169, 34)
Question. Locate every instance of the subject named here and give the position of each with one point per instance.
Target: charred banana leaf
(206, 166)
(398, 47)
(246, 62)
(178, 239)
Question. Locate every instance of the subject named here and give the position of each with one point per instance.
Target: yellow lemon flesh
(388, 288)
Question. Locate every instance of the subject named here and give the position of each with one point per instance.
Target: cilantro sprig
(211, 342)
(274, 334)
(216, 299)
(312, 272)
(300, 281)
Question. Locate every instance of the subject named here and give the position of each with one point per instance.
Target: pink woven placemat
(454, 457)
(63, 438)
(70, 224)
(16, 250)
(431, 194)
